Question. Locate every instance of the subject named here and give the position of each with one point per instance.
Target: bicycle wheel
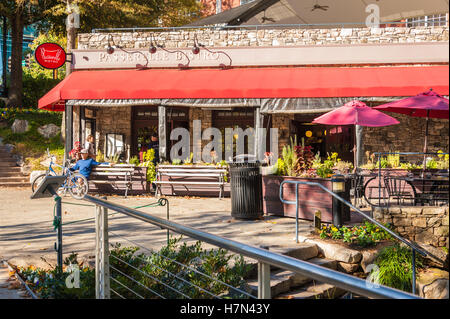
(77, 185)
(37, 182)
(373, 194)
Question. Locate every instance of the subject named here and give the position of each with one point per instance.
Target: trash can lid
(245, 160)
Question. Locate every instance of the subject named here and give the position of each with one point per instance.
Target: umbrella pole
(425, 147)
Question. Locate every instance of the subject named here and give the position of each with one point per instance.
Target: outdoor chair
(399, 189)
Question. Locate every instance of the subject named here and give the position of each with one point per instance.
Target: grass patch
(395, 267)
(32, 145)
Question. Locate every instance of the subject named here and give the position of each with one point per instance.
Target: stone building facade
(407, 136)
(426, 225)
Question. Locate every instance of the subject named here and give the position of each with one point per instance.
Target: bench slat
(112, 169)
(192, 175)
(109, 174)
(192, 170)
(189, 183)
(107, 182)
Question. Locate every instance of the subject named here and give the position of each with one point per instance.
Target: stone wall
(408, 136)
(425, 225)
(113, 120)
(282, 122)
(266, 37)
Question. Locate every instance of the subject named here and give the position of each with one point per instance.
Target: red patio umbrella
(355, 113)
(427, 104)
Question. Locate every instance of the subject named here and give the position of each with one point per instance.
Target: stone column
(162, 132)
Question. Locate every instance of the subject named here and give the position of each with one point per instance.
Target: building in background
(212, 7)
(273, 77)
(330, 13)
(29, 34)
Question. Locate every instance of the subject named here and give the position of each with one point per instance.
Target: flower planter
(311, 198)
(400, 171)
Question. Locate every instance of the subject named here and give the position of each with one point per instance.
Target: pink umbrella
(356, 113)
(428, 104)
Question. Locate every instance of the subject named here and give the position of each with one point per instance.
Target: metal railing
(421, 159)
(414, 248)
(264, 257)
(261, 26)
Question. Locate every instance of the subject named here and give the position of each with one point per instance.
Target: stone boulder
(49, 130)
(334, 251)
(439, 253)
(433, 284)
(20, 126)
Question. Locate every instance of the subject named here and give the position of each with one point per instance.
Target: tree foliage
(51, 15)
(37, 81)
(123, 13)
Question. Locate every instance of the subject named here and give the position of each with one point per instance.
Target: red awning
(286, 82)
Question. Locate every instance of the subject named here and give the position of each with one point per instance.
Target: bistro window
(114, 144)
(428, 21)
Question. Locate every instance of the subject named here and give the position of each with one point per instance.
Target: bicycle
(75, 183)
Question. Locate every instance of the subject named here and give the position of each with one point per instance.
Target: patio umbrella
(355, 113)
(427, 104)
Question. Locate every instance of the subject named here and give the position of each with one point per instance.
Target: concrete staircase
(10, 173)
(289, 285)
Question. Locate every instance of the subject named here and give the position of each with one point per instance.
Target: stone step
(22, 179)
(314, 290)
(10, 171)
(14, 184)
(282, 281)
(302, 251)
(6, 157)
(9, 162)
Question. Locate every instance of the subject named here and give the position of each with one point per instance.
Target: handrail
(253, 26)
(322, 274)
(413, 246)
(420, 250)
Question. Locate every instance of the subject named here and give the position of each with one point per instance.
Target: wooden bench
(180, 175)
(123, 172)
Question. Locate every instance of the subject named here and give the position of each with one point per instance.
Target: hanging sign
(50, 55)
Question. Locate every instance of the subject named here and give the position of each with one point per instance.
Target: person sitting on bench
(85, 164)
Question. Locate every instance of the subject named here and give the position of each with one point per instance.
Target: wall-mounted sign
(266, 56)
(50, 55)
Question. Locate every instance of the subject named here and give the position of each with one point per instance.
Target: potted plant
(298, 163)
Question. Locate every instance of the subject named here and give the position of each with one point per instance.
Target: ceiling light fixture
(110, 50)
(196, 50)
(153, 48)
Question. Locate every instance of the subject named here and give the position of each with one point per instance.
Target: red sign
(50, 55)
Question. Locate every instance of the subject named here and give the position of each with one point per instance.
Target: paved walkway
(27, 236)
(9, 289)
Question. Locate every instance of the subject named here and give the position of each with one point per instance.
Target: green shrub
(395, 268)
(290, 157)
(51, 284)
(148, 158)
(134, 160)
(365, 235)
(160, 267)
(150, 270)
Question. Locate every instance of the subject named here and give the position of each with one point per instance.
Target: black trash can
(246, 190)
